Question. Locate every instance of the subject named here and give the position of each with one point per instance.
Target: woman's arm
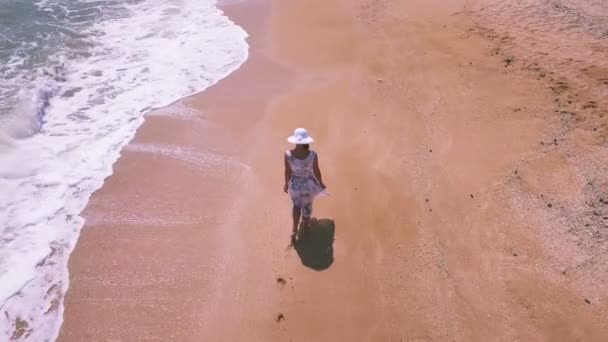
(287, 174)
(317, 171)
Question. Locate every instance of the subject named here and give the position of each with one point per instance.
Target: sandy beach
(465, 157)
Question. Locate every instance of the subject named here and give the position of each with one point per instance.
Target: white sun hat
(300, 137)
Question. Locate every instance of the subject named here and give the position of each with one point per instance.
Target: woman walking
(303, 180)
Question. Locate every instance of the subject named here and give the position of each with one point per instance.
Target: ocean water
(77, 77)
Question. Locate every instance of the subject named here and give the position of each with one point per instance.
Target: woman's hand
(286, 189)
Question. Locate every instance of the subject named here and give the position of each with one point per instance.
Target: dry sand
(464, 154)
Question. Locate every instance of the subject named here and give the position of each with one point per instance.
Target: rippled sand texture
(564, 43)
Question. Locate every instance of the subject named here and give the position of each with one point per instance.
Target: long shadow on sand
(316, 247)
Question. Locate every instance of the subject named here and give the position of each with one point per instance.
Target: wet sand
(465, 205)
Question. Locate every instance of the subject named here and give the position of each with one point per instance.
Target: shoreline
(158, 149)
(435, 217)
(63, 165)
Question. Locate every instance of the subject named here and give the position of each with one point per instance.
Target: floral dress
(303, 186)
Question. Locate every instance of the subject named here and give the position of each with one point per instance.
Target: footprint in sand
(590, 104)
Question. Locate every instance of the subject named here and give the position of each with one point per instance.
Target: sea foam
(69, 127)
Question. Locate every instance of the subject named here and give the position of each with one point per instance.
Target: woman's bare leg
(305, 223)
(306, 212)
(296, 212)
(306, 215)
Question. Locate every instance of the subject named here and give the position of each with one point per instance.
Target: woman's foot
(294, 239)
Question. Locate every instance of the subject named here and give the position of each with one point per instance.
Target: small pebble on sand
(587, 301)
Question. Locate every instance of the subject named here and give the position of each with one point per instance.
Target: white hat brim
(296, 141)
